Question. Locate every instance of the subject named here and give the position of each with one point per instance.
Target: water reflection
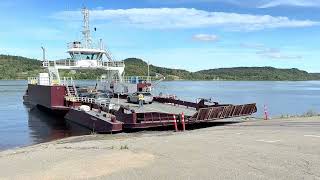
(45, 127)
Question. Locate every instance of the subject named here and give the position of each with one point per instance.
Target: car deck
(155, 107)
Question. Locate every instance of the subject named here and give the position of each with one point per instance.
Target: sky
(186, 34)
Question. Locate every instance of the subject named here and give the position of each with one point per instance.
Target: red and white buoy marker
(182, 121)
(175, 123)
(266, 114)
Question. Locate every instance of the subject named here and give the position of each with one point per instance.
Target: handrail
(80, 99)
(73, 63)
(136, 79)
(87, 100)
(67, 82)
(48, 63)
(33, 80)
(79, 45)
(113, 64)
(149, 117)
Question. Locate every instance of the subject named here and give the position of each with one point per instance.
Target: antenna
(86, 29)
(101, 44)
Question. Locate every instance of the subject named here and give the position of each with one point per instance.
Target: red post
(113, 119)
(175, 123)
(134, 118)
(182, 121)
(266, 114)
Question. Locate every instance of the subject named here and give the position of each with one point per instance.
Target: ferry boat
(63, 97)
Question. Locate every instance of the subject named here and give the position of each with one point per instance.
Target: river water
(21, 126)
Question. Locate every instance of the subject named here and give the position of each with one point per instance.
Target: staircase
(70, 86)
(72, 91)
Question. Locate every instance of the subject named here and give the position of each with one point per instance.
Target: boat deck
(101, 115)
(162, 112)
(156, 107)
(97, 121)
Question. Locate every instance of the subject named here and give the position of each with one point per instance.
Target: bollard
(182, 121)
(266, 114)
(175, 123)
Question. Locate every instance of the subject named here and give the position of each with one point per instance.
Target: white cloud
(165, 18)
(205, 37)
(253, 45)
(276, 54)
(250, 3)
(193, 1)
(268, 52)
(301, 3)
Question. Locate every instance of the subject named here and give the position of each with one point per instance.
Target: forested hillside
(257, 73)
(137, 66)
(16, 67)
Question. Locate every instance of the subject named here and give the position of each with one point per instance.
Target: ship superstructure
(85, 55)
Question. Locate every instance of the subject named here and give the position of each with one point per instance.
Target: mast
(148, 78)
(86, 29)
(43, 54)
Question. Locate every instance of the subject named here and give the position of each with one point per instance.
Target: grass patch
(124, 147)
(309, 113)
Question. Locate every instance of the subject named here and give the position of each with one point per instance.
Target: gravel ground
(275, 149)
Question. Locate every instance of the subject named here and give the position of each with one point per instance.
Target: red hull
(48, 97)
(51, 99)
(96, 123)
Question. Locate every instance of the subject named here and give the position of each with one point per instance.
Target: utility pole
(43, 53)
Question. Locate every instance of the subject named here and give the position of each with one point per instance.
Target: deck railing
(155, 117)
(112, 63)
(68, 81)
(73, 63)
(36, 80)
(136, 79)
(101, 103)
(79, 45)
(80, 99)
(33, 80)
